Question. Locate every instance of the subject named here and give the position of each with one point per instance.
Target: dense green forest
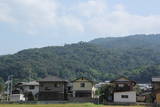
(136, 56)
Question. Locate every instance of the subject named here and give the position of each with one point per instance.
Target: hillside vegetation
(137, 57)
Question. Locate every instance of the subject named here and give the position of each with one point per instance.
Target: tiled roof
(52, 79)
(30, 83)
(155, 79)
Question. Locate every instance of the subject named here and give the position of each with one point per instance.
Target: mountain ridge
(95, 60)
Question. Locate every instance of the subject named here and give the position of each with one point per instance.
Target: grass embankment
(60, 105)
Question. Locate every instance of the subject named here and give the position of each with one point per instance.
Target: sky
(38, 23)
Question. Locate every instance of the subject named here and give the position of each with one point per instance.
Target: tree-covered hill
(137, 57)
(132, 41)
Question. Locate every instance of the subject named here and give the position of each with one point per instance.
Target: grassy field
(59, 105)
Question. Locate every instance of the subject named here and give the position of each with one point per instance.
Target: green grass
(60, 105)
(50, 105)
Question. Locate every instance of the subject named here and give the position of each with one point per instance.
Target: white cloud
(117, 21)
(5, 13)
(91, 8)
(88, 16)
(72, 22)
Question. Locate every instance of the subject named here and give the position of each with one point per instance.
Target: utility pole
(9, 86)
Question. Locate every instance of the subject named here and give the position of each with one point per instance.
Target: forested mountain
(132, 41)
(137, 57)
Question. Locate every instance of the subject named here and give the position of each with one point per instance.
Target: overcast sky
(38, 23)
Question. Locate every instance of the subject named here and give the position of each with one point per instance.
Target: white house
(29, 89)
(124, 90)
(32, 87)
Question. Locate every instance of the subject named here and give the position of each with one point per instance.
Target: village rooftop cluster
(52, 88)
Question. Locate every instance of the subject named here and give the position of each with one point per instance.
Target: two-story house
(156, 89)
(82, 87)
(124, 90)
(29, 89)
(52, 88)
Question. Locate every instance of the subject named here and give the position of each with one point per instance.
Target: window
(82, 85)
(31, 87)
(121, 85)
(124, 96)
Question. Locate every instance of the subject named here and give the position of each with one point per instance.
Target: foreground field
(59, 105)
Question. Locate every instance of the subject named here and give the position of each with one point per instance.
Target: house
(82, 87)
(52, 88)
(29, 89)
(123, 91)
(156, 89)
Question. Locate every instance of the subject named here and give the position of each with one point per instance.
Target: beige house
(156, 88)
(82, 87)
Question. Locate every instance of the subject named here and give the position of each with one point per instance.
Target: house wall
(51, 86)
(131, 97)
(47, 96)
(34, 91)
(76, 85)
(157, 97)
(94, 95)
(156, 85)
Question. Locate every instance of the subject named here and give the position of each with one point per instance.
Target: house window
(124, 96)
(82, 85)
(31, 87)
(120, 85)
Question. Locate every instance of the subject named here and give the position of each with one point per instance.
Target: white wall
(131, 96)
(17, 97)
(94, 89)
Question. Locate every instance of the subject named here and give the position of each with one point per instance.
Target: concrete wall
(17, 97)
(94, 89)
(131, 96)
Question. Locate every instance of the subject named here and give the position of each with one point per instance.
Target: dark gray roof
(83, 78)
(156, 79)
(30, 83)
(52, 79)
(126, 80)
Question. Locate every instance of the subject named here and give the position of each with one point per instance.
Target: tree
(106, 91)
